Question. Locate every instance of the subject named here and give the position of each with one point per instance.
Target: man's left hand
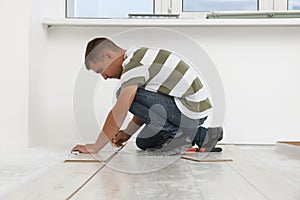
(87, 149)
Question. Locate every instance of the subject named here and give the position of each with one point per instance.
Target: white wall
(14, 74)
(260, 72)
(38, 52)
(23, 55)
(259, 67)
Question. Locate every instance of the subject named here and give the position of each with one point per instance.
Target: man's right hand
(120, 138)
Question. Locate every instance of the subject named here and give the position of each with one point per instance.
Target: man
(161, 90)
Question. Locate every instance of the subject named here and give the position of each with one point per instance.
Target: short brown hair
(95, 47)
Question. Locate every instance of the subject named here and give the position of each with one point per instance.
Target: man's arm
(113, 121)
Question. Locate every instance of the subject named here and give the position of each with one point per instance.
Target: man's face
(101, 67)
(108, 67)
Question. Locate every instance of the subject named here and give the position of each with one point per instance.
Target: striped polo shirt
(162, 71)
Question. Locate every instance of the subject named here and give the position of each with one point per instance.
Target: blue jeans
(163, 120)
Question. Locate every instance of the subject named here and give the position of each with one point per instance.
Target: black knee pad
(141, 143)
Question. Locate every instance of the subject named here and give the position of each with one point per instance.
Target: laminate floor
(255, 172)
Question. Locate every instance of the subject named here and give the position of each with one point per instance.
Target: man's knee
(142, 143)
(149, 142)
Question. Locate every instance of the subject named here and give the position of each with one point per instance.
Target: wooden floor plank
(256, 172)
(182, 179)
(58, 183)
(272, 174)
(290, 142)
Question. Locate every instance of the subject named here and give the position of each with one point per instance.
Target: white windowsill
(63, 22)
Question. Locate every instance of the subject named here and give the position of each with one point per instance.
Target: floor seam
(241, 175)
(94, 174)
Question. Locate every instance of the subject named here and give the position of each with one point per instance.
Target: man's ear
(108, 54)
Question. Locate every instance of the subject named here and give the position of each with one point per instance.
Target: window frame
(176, 7)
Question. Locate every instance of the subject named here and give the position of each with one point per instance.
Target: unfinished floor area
(238, 172)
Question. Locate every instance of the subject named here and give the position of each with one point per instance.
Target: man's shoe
(172, 146)
(213, 135)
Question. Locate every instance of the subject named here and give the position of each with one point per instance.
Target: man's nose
(104, 76)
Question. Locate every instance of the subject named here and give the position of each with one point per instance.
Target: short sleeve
(134, 73)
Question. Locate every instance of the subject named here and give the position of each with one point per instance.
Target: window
(293, 4)
(107, 8)
(181, 8)
(219, 5)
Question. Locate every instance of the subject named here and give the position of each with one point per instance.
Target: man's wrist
(127, 132)
(132, 127)
(96, 147)
(102, 140)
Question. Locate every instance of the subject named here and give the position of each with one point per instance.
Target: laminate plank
(181, 179)
(275, 175)
(58, 182)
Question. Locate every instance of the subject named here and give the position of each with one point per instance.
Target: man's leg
(156, 111)
(148, 139)
(164, 122)
(162, 136)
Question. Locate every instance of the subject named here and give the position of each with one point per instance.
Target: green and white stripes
(161, 71)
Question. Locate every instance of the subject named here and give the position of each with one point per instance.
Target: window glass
(293, 4)
(219, 5)
(108, 8)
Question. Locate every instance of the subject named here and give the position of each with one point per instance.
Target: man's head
(104, 57)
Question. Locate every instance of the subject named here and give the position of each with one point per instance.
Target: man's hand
(120, 137)
(88, 148)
